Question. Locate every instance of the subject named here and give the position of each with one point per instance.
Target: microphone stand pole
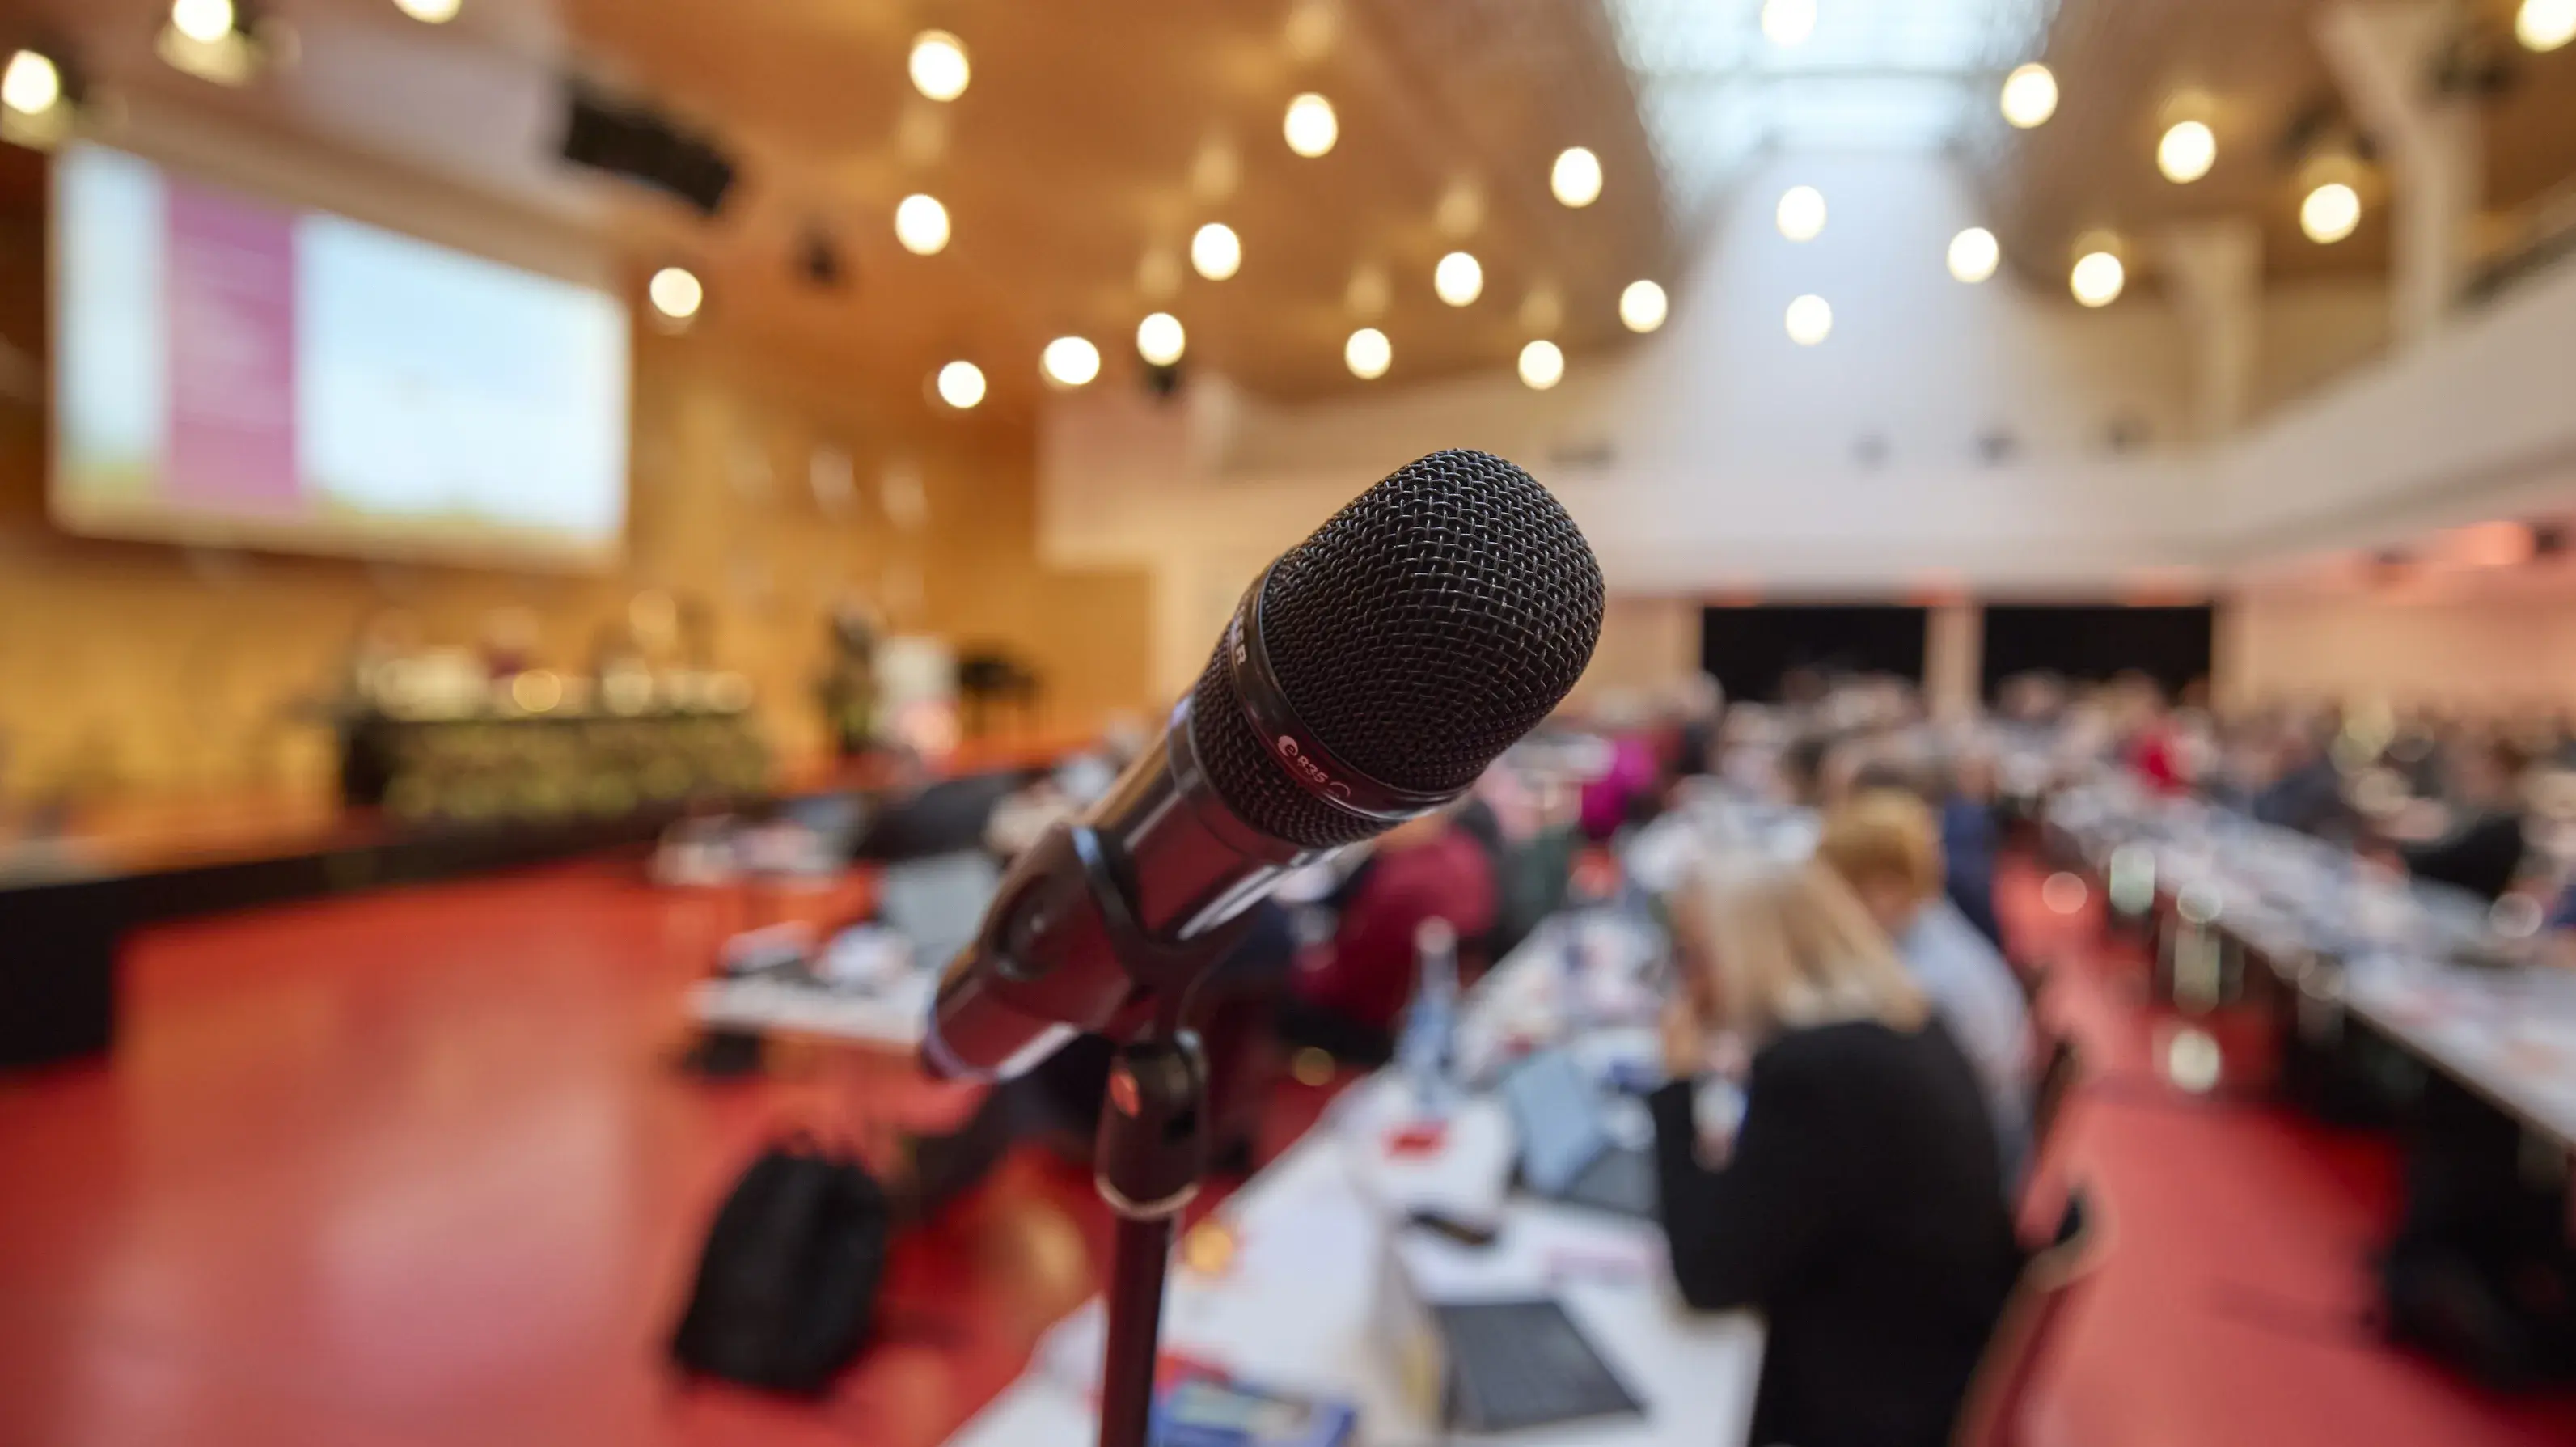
(1151, 1149)
(1149, 1162)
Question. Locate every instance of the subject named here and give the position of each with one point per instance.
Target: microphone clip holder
(1151, 1150)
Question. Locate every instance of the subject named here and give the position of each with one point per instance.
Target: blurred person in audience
(1855, 1202)
(1884, 844)
(1971, 839)
(1615, 796)
(1347, 992)
(2152, 742)
(1527, 829)
(2481, 849)
(1697, 706)
(2305, 790)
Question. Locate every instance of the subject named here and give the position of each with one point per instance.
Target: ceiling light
(1973, 254)
(1070, 361)
(921, 224)
(961, 385)
(1216, 251)
(938, 66)
(1311, 126)
(1542, 365)
(31, 84)
(1788, 22)
(2186, 153)
(1576, 177)
(1801, 213)
(2097, 278)
(1160, 340)
(203, 21)
(1810, 320)
(2330, 213)
(1642, 306)
(1368, 354)
(2545, 25)
(430, 12)
(1458, 278)
(675, 292)
(1542, 311)
(2030, 95)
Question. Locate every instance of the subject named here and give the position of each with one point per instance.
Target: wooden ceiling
(2123, 66)
(1092, 135)
(1096, 134)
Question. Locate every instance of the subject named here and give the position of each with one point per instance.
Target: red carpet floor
(414, 1169)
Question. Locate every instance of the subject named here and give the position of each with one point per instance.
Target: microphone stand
(1151, 1148)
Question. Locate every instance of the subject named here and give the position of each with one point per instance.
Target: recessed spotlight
(1810, 319)
(2186, 153)
(1974, 254)
(1542, 365)
(676, 292)
(430, 12)
(938, 65)
(2097, 278)
(1642, 306)
(1215, 251)
(1576, 177)
(1368, 354)
(32, 83)
(1070, 361)
(1801, 213)
(2545, 25)
(921, 224)
(1311, 126)
(203, 21)
(2330, 213)
(1160, 340)
(961, 385)
(1458, 279)
(1788, 22)
(2030, 95)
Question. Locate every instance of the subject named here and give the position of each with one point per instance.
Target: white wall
(2492, 651)
(1716, 453)
(2478, 421)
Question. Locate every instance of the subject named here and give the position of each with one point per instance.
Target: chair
(2000, 1394)
(2057, 1081)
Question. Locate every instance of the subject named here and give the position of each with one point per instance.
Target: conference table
(2433, 970)
(1299, 1302)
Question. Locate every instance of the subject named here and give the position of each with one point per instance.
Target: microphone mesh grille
(1248, 776)
(1433, 621)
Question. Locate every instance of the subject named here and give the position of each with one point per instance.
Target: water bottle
(1431, 1022)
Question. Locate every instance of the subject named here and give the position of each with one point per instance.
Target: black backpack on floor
(788, 1283)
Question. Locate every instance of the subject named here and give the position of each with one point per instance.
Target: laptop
(1568, 1152)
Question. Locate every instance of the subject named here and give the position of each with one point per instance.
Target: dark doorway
(2169, 644)
(1751, 649)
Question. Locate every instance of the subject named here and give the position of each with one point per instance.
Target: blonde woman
(1855, 1203)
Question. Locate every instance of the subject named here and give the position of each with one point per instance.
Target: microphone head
(1418, 633)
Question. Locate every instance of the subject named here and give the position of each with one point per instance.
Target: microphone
(1369, 675)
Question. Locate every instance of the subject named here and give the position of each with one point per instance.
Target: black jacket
(1859, 1211)
(2482, 855)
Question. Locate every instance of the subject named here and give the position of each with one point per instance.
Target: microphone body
(1369, 675)
(1050, 959)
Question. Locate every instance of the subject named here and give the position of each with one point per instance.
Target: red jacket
(1366, 975)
